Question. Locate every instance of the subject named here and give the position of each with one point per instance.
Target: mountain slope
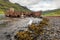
(52, 13)
(5, 4)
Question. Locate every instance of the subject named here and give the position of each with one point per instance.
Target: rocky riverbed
(12, 25)
(15, 24)
(52, 32)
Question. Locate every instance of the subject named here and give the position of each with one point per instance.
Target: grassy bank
(1, 12)
(52, 13)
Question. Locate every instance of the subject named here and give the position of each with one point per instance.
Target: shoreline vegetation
(1, 12)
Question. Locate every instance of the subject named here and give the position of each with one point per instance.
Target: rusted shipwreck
(12, 13)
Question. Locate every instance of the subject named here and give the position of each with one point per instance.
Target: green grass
(1, 12)
(5, 4)
(52, 13)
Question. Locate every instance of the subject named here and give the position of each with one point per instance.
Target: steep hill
(5, 4)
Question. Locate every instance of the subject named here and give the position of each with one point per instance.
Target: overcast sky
(37, 5)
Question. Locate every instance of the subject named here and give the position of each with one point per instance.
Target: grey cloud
(36, 5)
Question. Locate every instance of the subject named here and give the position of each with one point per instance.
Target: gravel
(15, 25)
(51, 32)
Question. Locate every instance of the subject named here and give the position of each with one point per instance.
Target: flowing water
(13, 25)
(9, 27)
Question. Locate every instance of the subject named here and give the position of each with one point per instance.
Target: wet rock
(51, 33)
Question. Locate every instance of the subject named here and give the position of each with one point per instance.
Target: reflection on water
(2, 16)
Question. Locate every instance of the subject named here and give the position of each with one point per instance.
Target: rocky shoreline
(51, 33)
